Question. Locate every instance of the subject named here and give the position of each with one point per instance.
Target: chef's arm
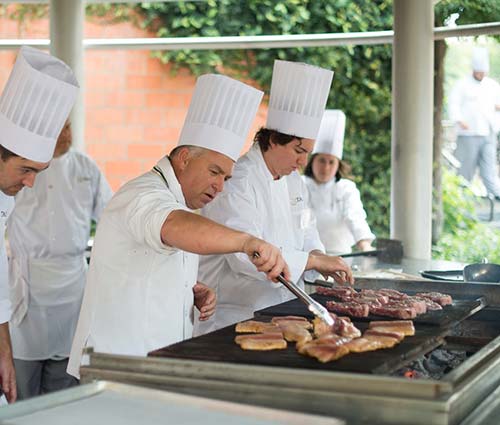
(194, 233)
(7, 373)
(329, 265)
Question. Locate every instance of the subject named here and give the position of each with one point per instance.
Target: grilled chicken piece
(361, 345)
(383, 341)
(404, 326)
(292, 320)
(261, 342)
(342, 326)
(378, 332)
(295, 333)
(253, 326)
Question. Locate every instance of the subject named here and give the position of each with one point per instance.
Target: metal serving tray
(111, 403)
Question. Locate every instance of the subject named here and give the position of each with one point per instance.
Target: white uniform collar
(255, 154)
(172, 183)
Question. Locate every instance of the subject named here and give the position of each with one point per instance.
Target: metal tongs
(312, 305)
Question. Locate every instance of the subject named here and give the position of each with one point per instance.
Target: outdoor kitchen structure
(448, 373)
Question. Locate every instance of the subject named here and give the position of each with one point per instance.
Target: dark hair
(265, 136)
(5, 154)
(343, 172)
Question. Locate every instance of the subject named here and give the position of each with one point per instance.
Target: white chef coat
(274, 210)
(473, 102)
(139, 292)
(6, 207)
(48, 233)
(340, 215)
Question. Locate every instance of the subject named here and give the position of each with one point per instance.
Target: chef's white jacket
(274, 210)
(6, 206)
(48, 233)
(473, 102)
(139, 292)
(341, 218)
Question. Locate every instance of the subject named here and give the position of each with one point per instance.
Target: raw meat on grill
(398, 311)
(404, 326)
(253, 326)
(431, 305)
(261, 342)
(352, 308)
(437, 297)
(340, 292)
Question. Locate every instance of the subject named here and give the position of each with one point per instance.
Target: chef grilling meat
(335, 200)
(268, 198)
(34, 105)
(48, 267)
(142, 281)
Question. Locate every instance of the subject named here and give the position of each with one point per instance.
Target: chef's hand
(8, 377)
(269, 259)
(332, 266)
(463, 125)
(204, 300)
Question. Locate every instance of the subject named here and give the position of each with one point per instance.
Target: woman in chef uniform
(267, 198)
(335, 200)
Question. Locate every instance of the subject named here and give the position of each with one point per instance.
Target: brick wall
(134, 107)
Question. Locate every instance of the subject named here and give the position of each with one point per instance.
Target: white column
(67, 18)
(412, 126)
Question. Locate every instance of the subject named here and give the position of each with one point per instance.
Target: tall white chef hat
(298, 98)
(330, 138)
(220, 114)
(480, 60)
(35, 103)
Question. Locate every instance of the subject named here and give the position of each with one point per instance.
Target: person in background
(335, 200)
(34, 105)
(473, 102)
(48, 235)
(267, 197)
(142, 282)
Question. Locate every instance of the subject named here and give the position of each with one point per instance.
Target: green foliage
(464, 237)
(362, 81)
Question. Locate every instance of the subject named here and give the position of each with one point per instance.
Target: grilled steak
(437, 297)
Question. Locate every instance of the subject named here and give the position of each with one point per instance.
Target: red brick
(115, 182)
(107, 151)
(149, 82)
(94, 98)
(93, 134)
(146, 116)
(124, 133)
(144, 151)
(126, 99)
(123, 168)
(105, 116)
(168, 99)
(175, 117)
(161, 134)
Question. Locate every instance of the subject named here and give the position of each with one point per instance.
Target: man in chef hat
(142, 281)
(335, 200)
(34, 105)
(473, 105)
(267, 197)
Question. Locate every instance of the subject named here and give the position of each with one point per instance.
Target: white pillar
(412, 126)
(67, 18)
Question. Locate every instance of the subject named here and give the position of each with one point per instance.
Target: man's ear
(183, 157)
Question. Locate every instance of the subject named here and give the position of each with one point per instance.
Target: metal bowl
(480, 272)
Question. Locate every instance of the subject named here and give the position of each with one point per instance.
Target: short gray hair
(193, 150)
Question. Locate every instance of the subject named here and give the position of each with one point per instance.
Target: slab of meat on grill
(392, 294)
(380, 332)
(351, 308)
(431, 305)
(361, 345)
(382, 340)
(326, 349)
(418, 304)
(254, 326)
(404, 326)
(297, 320)
(341, 292)
(261, 342)
(398, 311)
(341, 326)
(437, 297)
(295, 333)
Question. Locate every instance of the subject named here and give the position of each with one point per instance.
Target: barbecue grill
(368, 388)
